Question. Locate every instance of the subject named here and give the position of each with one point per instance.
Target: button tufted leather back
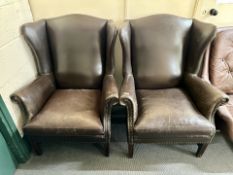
(221, 61)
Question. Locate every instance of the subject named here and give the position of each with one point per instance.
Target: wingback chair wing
(166, 101)
(218, 71)
(75, 89)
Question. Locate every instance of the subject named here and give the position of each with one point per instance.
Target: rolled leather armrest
(110, 90)
(109, 98)
(32, 97)
(128, 96)
(206, 97)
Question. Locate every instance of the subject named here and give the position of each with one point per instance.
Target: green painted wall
(16, 144)
(7, 163)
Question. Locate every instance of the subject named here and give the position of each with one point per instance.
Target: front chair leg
(36, 148)
(201, 149)
(107, 149)
(130, 150)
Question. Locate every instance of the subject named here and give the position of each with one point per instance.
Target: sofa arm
(32, 97)
(128, 97)
(206, 97)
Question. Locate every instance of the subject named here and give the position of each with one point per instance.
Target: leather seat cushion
(221, 61)
(68, 112)
(169, 112)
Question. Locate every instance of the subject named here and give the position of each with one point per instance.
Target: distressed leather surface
(68, 112)
(206, 97)
(169, 112)
(32, 97)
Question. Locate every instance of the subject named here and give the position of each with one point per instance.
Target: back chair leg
(36, 148)
(130, 150)
(201, 149)
(107, 149)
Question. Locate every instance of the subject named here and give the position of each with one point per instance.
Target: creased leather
(32, 97)
(109, 98)
(68, 112)
(109, 90)
(171, 113)
(206, 97)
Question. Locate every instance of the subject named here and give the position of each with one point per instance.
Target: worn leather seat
(169, 112)
(218, 71)
(75, 90)
(68, 112)
(165, 99)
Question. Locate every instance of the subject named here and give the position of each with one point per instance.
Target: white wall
(16, 63)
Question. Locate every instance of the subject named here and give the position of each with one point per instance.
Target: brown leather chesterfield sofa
(75, 89)
(218, 71)
(165, 99)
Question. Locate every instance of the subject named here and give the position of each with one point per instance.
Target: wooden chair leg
(107, 149)
(201, 149)
(130, 150)
(36, 148)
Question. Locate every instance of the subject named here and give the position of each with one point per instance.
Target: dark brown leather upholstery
(156, 61)
(166, 101)
(217, 70)
(68, 112)
(78, 49)
(31, 102)
(170, 112)
(75, 89)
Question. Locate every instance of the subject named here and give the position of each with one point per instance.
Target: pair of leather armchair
(75, 90)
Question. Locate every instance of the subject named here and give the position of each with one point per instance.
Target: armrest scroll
(32, 97)
(206, 97)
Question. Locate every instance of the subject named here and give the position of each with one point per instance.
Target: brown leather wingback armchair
(218, 71)
(165, 99)
(75, 89)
